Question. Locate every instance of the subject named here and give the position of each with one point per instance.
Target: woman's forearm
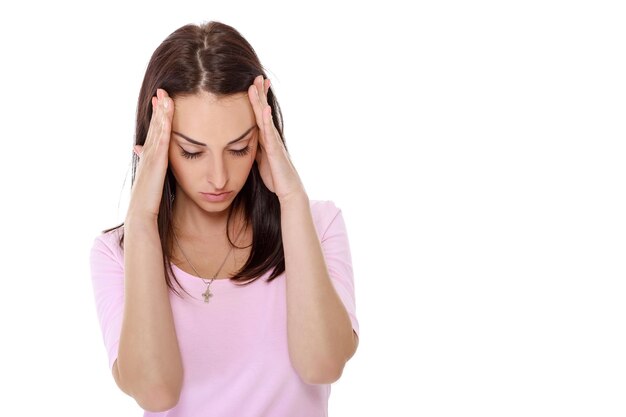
(320, 334)
(149, 361)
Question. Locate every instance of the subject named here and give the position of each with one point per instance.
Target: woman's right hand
(147, 189)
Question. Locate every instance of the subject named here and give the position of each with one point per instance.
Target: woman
(267, 319)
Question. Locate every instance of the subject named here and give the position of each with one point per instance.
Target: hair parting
(215, 58)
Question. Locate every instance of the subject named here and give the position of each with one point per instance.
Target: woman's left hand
(277, 171)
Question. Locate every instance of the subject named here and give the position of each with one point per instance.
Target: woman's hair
(215, 58)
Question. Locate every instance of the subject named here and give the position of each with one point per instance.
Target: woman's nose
(217, 174)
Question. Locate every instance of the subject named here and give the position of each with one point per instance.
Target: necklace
(207, 294)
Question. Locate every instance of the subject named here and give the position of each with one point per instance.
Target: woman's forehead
(212, 120)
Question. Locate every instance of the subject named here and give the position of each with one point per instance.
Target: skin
(320, 335)
(216, 167)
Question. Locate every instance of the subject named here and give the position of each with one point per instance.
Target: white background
(475, 148)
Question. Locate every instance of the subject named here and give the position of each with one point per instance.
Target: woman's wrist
(140, 221)
(296, 198)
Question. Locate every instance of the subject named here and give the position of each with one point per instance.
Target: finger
(267, 117)
(262, 88)
(166, 126)
(259, 82)
(270, 124)
(265, 109)
(158, 134)
(256, 105)
(153, 127)
(272, 142)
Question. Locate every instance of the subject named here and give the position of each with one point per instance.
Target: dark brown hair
(215, 58)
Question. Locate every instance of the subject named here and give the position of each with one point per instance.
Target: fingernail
(166, 103)
(256, 91)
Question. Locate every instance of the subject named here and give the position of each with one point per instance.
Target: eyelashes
(240, 152)
(189, 155)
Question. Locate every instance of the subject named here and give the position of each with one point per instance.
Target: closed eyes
(235, 152)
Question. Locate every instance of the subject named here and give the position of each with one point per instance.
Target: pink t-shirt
(234, 349)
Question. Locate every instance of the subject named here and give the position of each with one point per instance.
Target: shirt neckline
(199, 279)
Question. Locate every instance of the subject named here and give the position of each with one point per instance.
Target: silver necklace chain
(207, 294)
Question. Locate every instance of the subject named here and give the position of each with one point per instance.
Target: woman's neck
(193, 223)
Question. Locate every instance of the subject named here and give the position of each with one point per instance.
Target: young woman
(266, 319)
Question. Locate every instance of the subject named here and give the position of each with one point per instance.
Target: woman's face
(226, 133)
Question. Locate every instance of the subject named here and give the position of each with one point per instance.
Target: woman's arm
(320, 335)
(149, 365)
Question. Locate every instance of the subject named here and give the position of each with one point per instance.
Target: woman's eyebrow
(195, 142)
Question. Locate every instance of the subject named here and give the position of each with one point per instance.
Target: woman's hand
(153, 159)
(277, 171)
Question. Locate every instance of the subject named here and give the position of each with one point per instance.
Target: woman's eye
(241, 152)
(236, 152)
(189, 155)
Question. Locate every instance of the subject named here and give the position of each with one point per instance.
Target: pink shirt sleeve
(107, 272)
(336, 249)
(107, 275)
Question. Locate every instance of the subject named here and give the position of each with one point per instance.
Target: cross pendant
(207, 294)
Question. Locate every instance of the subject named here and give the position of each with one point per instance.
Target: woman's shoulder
(323, 213)
(323, 206)
(109, 241)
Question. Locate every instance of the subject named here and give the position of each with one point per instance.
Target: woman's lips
(216, 197)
